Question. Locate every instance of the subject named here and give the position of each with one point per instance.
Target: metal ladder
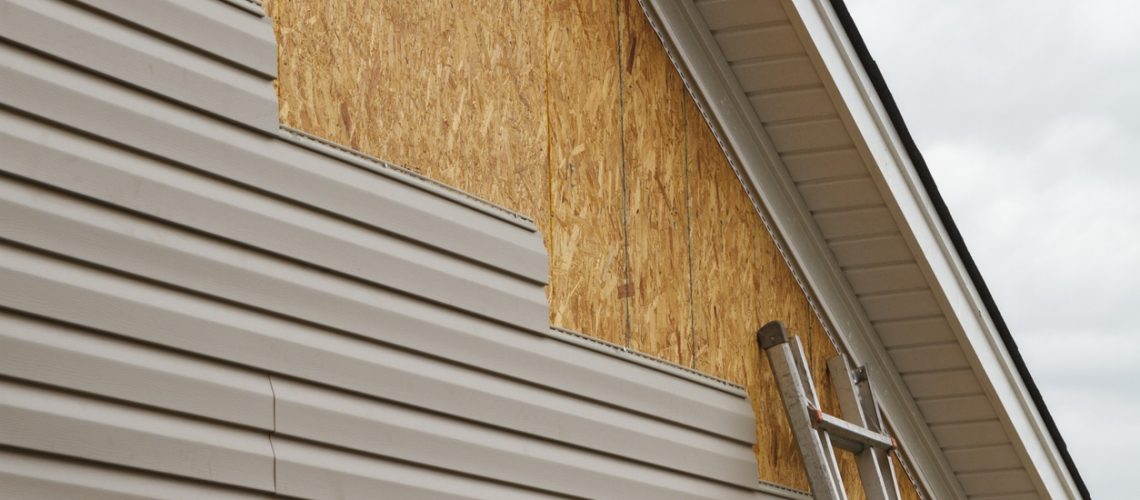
(860, 432)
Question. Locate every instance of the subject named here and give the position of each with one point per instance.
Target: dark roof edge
(940, 207)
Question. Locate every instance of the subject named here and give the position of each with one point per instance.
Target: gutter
(955, 235)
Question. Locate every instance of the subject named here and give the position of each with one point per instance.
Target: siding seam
(273, 431)
(624, 182)
(689, 234)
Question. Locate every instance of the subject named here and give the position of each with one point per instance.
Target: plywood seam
(624, 181)
(689, 236)
(547, 94)
(780, 245)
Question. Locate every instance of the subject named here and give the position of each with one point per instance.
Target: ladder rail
(858, 407)
(860, 430)
(797, 393)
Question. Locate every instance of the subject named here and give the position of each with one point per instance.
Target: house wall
(196, 304)
(568, 111)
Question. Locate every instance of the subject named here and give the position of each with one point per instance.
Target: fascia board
(908, 198)
(752, 155)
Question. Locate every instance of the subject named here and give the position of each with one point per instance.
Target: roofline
(751, 153)
(942, 210)
(779, 205)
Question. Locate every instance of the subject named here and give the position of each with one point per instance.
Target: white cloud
(1026, 112)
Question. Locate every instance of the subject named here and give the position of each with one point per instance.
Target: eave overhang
(838, 180)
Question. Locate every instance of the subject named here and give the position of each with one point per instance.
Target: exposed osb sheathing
(454, 90)
(586, 239)
(657, 212)
(740, 282)
(569, 111)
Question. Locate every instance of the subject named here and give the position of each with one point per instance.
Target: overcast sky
(1028, 112)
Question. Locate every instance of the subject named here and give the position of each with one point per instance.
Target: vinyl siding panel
(33, 476)
(71, 33)
(195, 304)
(57, 422)
(91, 362)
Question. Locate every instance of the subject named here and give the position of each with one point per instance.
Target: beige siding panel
(957, 409)
(855, 223)
(103, 45)
(942, 384)
(272, 225)
(815, 166)
(759, 42)
(32, 476)
(871, 251)
(793, 104)
(825, 133)
(309, 470)
(207, 26)
(111, 239)
(267, 342)
(776, 74)
(970, 434)
(900, 305)
(841, 194)
(987, 458)
(928, 358)
(59, 355)
(876, 279)
(1012, 496)
(43, 419)
(297, 176)
(996, 483)
(721, 14)
(914, 332)
(376, 427)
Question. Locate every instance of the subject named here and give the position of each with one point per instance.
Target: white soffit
(838, 187)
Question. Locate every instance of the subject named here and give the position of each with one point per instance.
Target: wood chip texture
(570, 112)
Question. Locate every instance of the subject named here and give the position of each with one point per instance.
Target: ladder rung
(847, 435)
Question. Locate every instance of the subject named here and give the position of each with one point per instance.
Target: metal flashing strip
(782, 491)
(401, 174)
(636, 357)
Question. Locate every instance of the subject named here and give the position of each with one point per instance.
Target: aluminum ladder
(860, 432)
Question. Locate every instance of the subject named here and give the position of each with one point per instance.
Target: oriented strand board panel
(657, 220)
(740, 281)
(570, 111)
(588, 255)
(453, 90)
(730, 252)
